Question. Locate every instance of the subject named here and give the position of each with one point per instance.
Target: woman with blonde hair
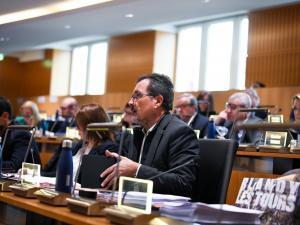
(30, 114)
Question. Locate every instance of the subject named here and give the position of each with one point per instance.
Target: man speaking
(163, 142)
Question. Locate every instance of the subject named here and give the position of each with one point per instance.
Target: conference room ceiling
(63, 30)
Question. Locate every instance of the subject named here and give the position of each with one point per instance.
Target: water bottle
(211, 129)
(64, 172)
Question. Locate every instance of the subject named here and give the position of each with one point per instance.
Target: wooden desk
(61, 214)
(47, 147)
(256, 164)
(13, 210)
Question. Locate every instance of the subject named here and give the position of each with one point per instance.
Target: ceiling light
(47, 10)
(67, 27)
(1, 56)
(129, 15)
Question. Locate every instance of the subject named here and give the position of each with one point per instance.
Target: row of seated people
(162, 141)
(64, 116)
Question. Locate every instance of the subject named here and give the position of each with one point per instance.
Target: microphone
(19, 127)
(195, 160)
(55, 121)
(106, 126)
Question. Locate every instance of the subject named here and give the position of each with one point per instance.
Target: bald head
(68, 107)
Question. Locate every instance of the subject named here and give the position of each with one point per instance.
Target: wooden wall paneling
(129, 56)
(274, 47)
(9, 80)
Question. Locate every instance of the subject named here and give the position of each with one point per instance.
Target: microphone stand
(95, 207)
(23, 190)
(195, 161)
(5, 183)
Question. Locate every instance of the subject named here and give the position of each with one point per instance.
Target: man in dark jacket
(164, 142)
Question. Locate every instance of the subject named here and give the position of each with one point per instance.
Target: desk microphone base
(87, 206)
(52, 197)
(5, 183)
(121, 216)
(24, 190)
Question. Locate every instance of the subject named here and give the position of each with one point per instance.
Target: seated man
(186, 108)
(68, 109)
(164, 142)
(16, 143)
(232, 116)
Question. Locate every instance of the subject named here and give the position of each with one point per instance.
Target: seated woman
(206, 103)
(30, 114)
(94, 142)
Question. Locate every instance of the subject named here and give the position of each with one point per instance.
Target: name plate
(274, 138)
(30, 174)
(275, 118)
(135, 195)
(277, 198)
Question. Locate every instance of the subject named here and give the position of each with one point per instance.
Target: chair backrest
(216, 161)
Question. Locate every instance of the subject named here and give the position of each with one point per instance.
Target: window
(212, 55)
(88, 70)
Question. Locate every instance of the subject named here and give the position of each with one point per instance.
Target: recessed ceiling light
(67, 27)
(129, 15)
(206, 1)
(47, 10)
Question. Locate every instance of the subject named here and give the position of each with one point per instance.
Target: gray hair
(243, 97)
(192, 99)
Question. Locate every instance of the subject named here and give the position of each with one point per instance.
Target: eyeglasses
(233, 106)
(138, 95)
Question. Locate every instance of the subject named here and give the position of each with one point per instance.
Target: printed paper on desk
(277, 198)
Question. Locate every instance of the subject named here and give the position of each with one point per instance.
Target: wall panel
(274, 47)
(129, 57)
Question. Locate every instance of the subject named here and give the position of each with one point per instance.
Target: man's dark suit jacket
(15, 149)
(173, 144)
(200, 122)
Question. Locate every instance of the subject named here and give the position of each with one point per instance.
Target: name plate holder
(274, 141)
(30, 175)
(131, 212)
(52, 197)
(5, 183)
(275, 118)
(88, 206)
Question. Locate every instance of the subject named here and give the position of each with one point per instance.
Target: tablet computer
(91, 168)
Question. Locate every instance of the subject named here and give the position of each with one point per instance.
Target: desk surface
(56, 212)
(48, 140)
(268, 154)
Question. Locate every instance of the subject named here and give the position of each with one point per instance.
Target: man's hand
(127, 168)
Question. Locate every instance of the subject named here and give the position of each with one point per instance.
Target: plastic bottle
(64, 172)
(211, 129)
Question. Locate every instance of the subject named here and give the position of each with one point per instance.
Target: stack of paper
(204, 213)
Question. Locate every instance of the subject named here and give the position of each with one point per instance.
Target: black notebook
(91, 168)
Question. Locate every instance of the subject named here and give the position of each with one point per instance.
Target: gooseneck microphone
(195, 161)
(20, 127)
